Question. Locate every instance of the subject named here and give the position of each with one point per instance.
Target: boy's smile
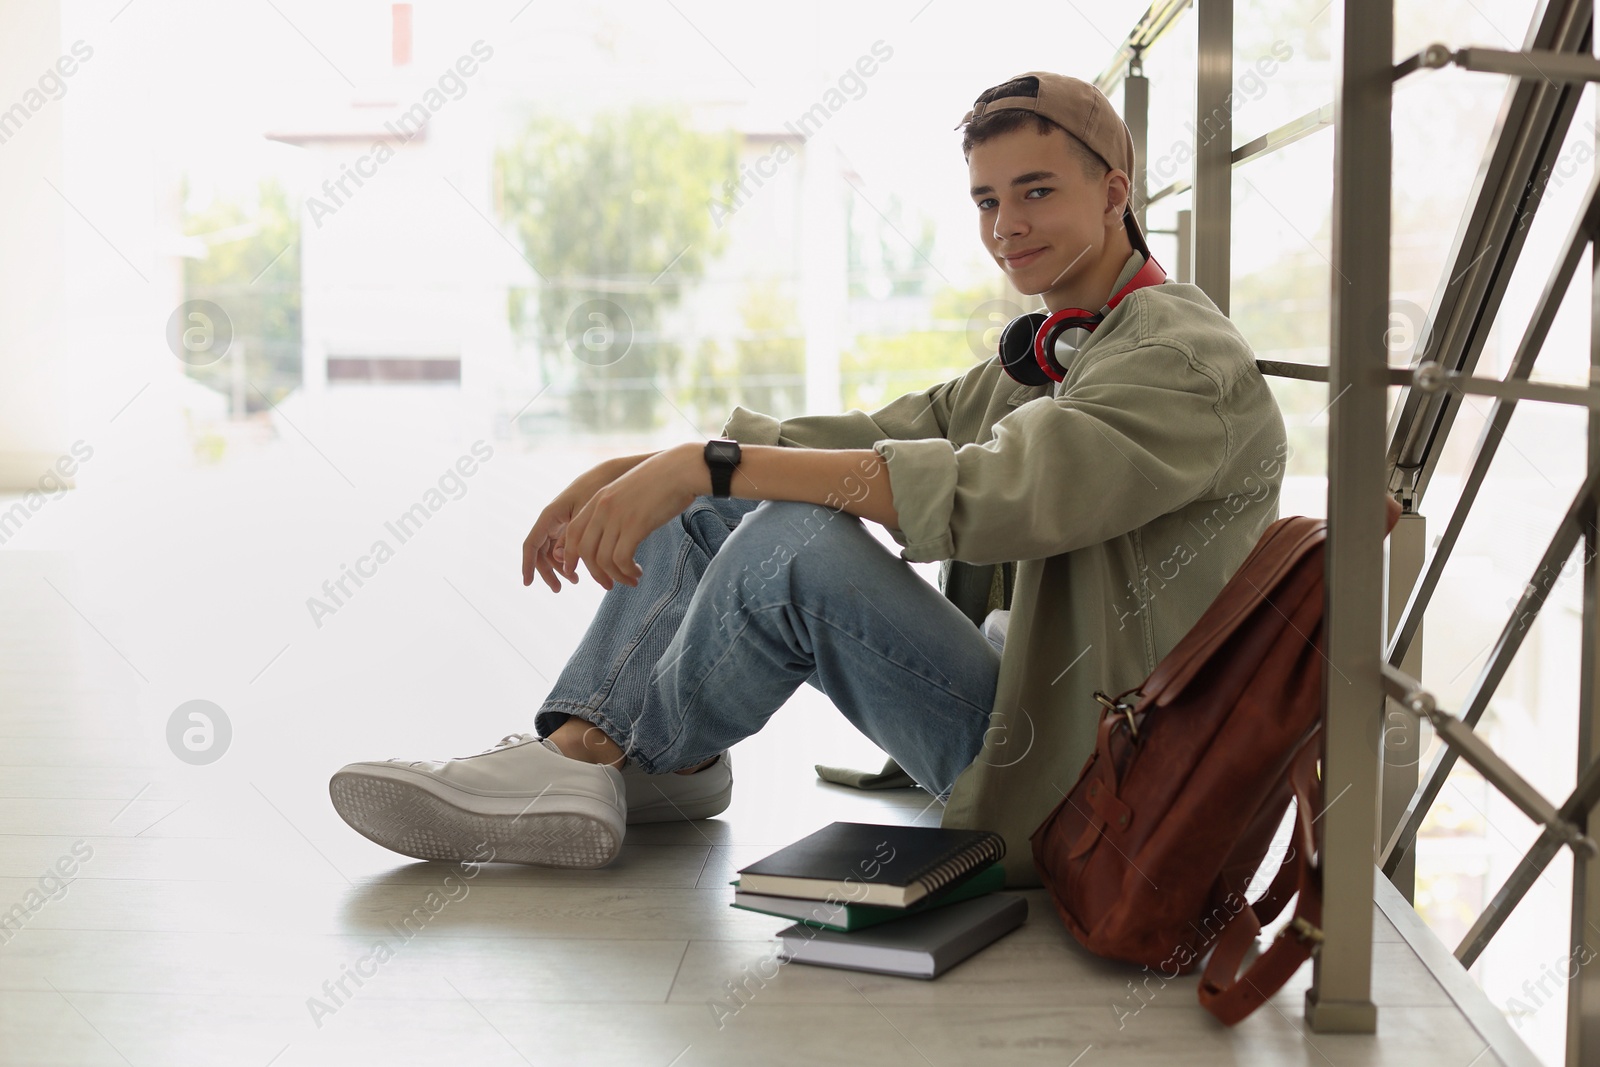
(1054, 231)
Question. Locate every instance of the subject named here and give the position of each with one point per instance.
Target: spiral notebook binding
(987, 851)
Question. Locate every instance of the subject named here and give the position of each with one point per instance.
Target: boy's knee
(773, 535)
(779, 542)
(795, 524)
(710, 519)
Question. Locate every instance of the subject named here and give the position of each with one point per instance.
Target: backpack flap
(1285, 545)
(1282, 548)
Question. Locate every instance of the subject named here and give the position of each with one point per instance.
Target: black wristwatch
(722, 455)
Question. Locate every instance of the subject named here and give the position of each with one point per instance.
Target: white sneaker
(521, 801)
(670, 797)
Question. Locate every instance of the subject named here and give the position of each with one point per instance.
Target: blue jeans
(738, 603)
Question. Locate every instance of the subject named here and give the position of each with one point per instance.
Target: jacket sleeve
(1139, 435)
(918, 414)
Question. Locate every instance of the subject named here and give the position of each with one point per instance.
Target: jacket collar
(1129, 269)
(1024, 393)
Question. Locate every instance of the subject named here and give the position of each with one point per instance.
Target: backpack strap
(1097, 786)
(1285, 884)
(1224, 992)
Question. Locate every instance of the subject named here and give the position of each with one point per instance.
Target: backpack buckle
(1119, 706)
(1303, 931)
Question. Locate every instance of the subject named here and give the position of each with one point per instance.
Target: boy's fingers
(533, 544)
(573, 543)
(532, 561)
(591, 560)
(588, 549)
(542, 561)
(557, 565)
(622, 561)
(605, 552)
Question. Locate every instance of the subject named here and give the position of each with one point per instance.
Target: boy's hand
(541, 551)
(608, 528)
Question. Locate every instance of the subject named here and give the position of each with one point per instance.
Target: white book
(923, 945)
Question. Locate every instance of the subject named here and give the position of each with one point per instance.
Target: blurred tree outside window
(615, 219)
(250, 269)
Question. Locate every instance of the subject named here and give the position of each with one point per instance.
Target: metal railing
(1374, 704)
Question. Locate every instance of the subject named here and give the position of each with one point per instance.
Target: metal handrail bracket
(1409, 694)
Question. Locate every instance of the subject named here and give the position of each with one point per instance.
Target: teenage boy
(1101, 513)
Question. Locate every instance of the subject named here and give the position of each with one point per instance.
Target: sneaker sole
(664, 810)
(405, 816)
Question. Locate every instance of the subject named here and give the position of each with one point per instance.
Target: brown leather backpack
(1149, 857)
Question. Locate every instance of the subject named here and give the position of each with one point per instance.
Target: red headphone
(1028, 343)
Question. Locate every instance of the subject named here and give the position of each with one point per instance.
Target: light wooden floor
(216, 901)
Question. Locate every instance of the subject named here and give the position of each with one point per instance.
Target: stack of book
(906, 900)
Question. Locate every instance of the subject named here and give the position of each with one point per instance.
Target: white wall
(33, 409)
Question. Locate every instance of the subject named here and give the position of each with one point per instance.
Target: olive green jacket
(1106, 513)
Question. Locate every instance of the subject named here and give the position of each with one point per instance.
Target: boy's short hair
(994, 123)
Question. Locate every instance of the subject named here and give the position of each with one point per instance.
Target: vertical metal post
(1402, 732)
(1340, 997)
(1583, 988)
(1136, 113)
(1213, 145)
(1186, 245)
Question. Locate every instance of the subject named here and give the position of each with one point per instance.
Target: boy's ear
(1118, 189)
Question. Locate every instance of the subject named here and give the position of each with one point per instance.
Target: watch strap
(722, 456)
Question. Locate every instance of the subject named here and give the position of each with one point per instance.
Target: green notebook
(848, 917)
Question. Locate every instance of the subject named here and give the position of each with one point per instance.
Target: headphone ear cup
(1016, 349)
(1075, 324)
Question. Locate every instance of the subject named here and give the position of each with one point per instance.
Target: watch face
(723, 451)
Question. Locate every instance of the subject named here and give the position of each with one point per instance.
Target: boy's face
(1053, 233)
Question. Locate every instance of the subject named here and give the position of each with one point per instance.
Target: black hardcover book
(869, 863)
(924, 945)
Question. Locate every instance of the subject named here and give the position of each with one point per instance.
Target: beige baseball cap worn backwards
(1083, 111)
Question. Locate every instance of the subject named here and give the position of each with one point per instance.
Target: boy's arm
(844, 473)
(1140, 434)
(923, 413)
(605, 531)
(849, 478)
(623, 464)
(854, 480)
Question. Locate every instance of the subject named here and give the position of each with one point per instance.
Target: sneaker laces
(509, 739)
